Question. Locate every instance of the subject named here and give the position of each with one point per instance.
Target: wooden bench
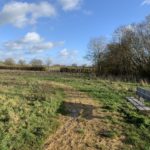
(141, 93)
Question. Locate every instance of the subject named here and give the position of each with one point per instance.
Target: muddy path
(82, 124)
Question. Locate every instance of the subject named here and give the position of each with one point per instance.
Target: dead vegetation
(83, 125)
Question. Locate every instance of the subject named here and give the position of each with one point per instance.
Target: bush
(77, 69)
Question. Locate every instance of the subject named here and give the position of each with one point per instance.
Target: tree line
(127, 53)
(22, 62)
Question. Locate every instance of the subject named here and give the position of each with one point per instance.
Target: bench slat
(138, 102)
(134, 101)
(139, 105)
(146, 108)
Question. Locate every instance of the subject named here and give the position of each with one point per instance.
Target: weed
(80, 130)
(107, 133)
(27, 112)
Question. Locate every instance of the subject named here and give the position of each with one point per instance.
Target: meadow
(29, 105)
(27, 111)
(125, 120)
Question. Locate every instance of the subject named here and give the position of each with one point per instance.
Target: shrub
(77, 69)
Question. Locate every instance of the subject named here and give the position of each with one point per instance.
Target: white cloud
(146, 2)
(68, 53)
(68, 5)
(21, 14)
(32, 37)
(13, 45)
(64, 53)
(40, 47)
(32, 42)
(68, 57)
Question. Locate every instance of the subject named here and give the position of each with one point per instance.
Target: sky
(61, 29)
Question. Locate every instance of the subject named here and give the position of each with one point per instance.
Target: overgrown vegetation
(29, 104)
(131, 124)
(28, 112)
(126, 55)
(77, 69)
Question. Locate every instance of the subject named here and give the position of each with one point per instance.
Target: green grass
(80, 130)
(107, 134)
(28, 106)
(111, 95)
(54, 68)
(28, 112)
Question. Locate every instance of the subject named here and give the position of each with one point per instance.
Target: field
(27, 111)
(42, 110)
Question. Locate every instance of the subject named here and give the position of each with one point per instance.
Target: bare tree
(96, 51)
(36, 62)
(9, 61)
(22, 62)
(127, 54)
(96, 48)
(48, 62)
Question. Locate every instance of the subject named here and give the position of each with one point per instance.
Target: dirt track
(80, 128)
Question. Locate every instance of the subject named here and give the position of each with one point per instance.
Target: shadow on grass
(75, 110)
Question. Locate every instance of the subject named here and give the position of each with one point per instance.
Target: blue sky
(61, 29)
